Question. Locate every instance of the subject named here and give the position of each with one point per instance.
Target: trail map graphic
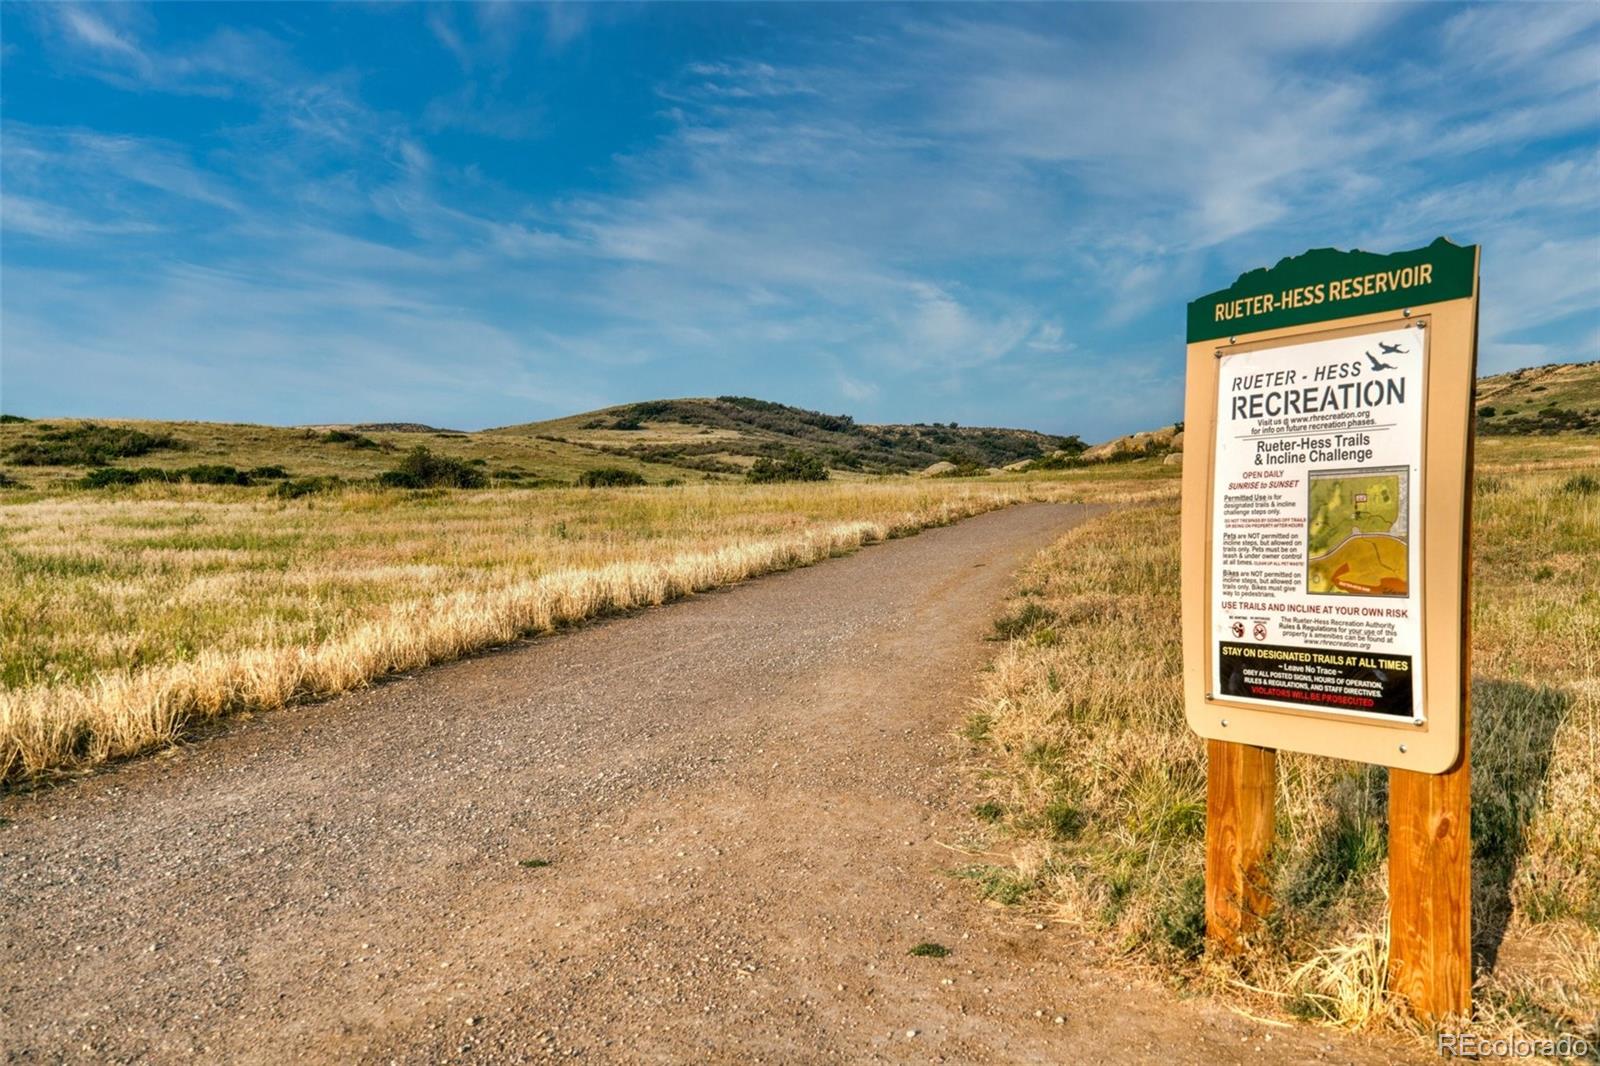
(1356, 536)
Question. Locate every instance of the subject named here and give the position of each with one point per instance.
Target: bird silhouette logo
(1390, 349)
(1378, 364)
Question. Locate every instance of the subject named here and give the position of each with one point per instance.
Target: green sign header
(1326, 283)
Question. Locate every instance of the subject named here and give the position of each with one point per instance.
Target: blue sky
(473, 215)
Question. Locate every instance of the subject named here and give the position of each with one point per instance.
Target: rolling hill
(660, 440)
(1540, 400)
(725, 435)
(1553, 398)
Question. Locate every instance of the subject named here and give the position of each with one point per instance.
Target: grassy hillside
(46, 453)
(660, 441)
(727, 434)
(1541, 399)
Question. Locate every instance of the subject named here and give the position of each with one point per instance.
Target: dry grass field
(129, 619)
(130, 616)
(1098, 787)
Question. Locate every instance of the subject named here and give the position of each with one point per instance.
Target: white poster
(1315, 568)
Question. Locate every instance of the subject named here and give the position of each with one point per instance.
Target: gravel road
(745, 801)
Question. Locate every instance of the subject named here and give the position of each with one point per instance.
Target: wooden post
(1241, 799)
(1430, 845)
(1430, 889)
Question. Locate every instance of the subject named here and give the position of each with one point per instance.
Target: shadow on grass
(1513, 732)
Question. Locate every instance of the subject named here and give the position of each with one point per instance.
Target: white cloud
(92, 31)
(928, 209)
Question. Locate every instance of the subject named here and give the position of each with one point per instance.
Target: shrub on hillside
(213, 474)
(964, 464)
(88, 445)
(1056, 462)
(204, 474)
(1551, 419)
(795, 466)
(13, 418)
(422, 469)
(609, 477)
(107, 476)
(344, 436)
(268, 473)
(304, 486)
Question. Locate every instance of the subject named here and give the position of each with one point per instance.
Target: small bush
(304, 486)
(8, 482)
(794, 466)
(213, 474)
(421, 469)
(1056, 462)
(1181, 918)
(13, 418)
(964, 464)
(107, 476)
(609, 477)
(1064, 820)
(1581, 485)
(929, 950)
(344, 436)
(268, 473)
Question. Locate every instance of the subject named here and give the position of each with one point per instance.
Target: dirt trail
(744, 798)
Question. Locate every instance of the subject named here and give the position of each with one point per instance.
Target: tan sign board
(1325, 506)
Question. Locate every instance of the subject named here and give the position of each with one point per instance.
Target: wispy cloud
(937, 213)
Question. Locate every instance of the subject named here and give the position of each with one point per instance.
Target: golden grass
(1082, 721)
(128, 618)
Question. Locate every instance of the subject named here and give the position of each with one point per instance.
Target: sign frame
(1447, 313)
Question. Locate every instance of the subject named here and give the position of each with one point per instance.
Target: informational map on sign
(1315, 575)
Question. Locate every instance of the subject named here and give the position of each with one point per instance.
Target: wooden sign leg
(1241, 797)
(1430, 890)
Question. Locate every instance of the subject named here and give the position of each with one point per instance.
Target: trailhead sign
(1326, 539)
(1325, 505)
(1316, 580)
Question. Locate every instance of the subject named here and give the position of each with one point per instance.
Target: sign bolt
(1406, 313)
(1224, 723)
(1416, 721)
(1402, 749)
